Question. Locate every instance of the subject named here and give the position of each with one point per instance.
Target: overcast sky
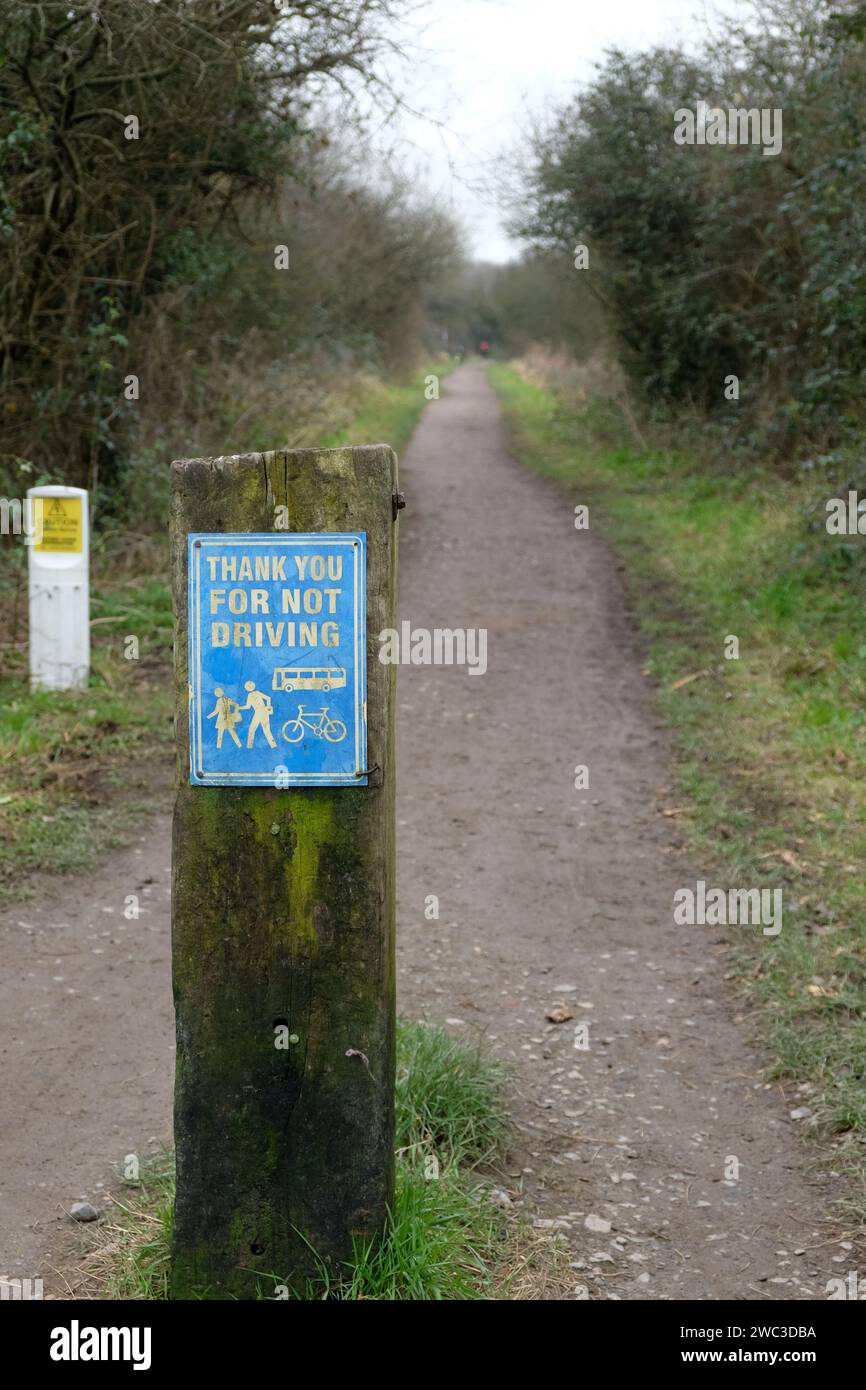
(479, 68)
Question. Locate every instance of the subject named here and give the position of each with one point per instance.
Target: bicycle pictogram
(318, 722)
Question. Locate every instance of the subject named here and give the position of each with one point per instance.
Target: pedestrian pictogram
(227, 713)
(262, 710)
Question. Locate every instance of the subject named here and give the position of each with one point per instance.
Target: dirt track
(549, 894)
(546, 894)
(87, 1048)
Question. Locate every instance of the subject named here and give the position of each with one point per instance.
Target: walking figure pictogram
(226, 712)
(262, 709)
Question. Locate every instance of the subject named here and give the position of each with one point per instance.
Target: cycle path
(551, 896)
(547, 896)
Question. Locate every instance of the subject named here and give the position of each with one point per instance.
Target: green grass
(443, 1240)
(448, 1099)
(387, 412)
(76, 767)
(350, 408)
(772, 746)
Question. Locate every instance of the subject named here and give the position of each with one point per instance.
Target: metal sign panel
(277, 659)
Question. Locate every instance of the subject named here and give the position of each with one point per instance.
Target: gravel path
(547, 896)
(87, 1047)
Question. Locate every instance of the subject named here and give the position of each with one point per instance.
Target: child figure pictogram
(226, 712)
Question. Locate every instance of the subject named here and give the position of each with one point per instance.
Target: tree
(717, 259)
(128, 131)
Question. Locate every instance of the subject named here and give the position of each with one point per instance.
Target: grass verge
(76, 767)
(772, 744)
(444, 1238)
(382, 412)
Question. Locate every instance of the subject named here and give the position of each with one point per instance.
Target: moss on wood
(283, 916)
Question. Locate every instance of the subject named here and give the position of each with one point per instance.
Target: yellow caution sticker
(57, 524)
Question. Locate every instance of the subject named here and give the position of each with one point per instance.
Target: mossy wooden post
(283, 911)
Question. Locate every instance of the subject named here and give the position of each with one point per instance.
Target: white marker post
(59, 588)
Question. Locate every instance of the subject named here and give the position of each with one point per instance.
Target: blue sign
(277, 660)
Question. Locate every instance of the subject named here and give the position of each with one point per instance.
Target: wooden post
(283, 914)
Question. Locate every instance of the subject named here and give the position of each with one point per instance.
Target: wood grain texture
(283, 912)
